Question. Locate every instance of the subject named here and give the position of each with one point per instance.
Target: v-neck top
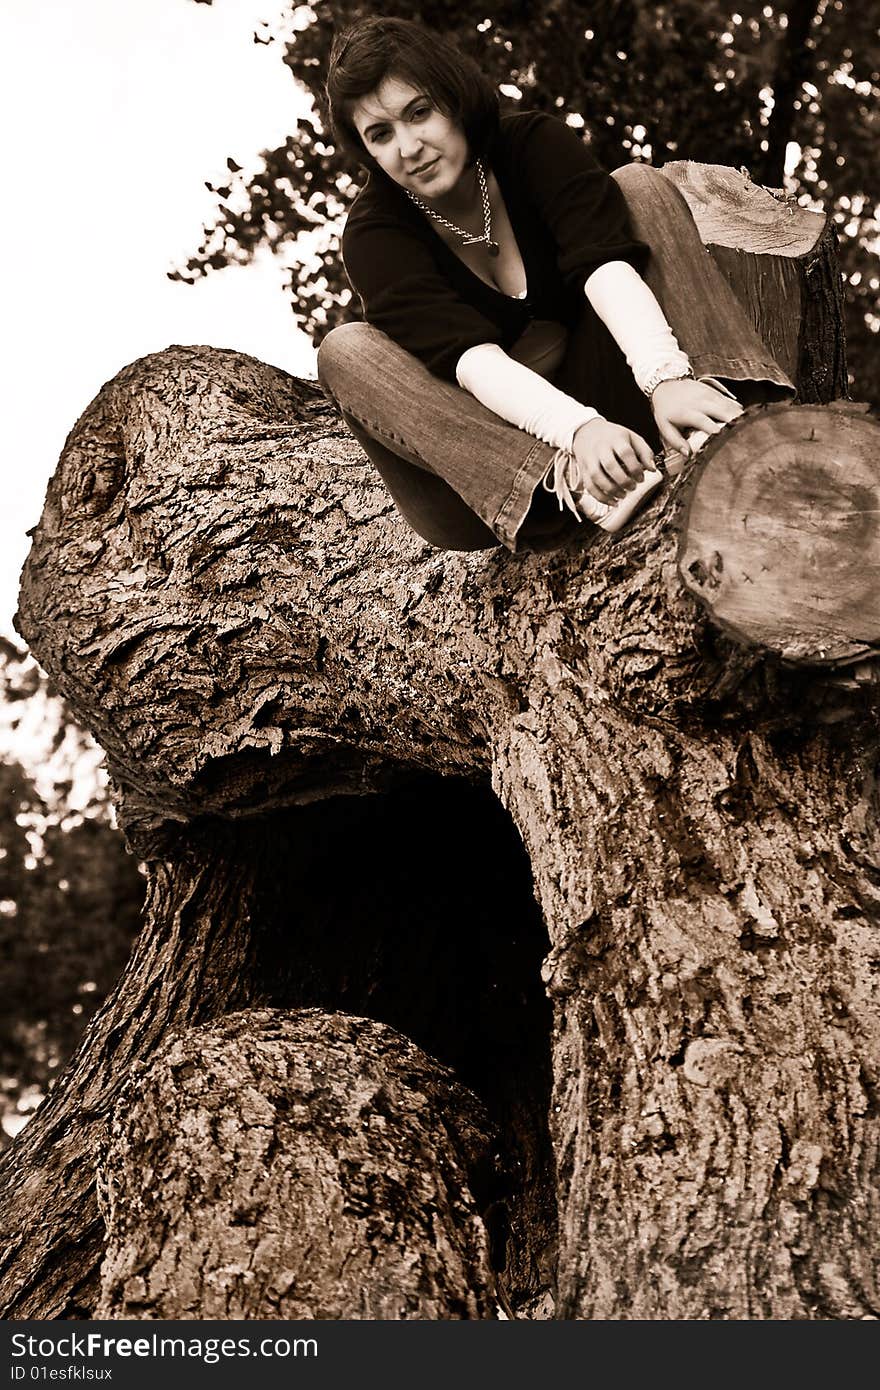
(568, 216)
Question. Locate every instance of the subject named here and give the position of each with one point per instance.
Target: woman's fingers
(718, 406)
(692, 420)
(600, 487)
(686, 405)
(672, 437)
(627, 466)
(611, 478)
(630, 460)
(698, 421)
(616, 471)
(644, 451)
(725, 409)
(613, 458)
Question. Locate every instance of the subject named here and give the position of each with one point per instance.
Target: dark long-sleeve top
(568, 216)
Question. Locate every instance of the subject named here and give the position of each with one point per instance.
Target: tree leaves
(70, 898)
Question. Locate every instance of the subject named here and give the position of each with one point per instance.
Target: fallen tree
(222, 591)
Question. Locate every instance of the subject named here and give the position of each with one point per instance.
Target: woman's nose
(409, 142)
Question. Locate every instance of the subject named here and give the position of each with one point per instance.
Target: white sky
(114, 114)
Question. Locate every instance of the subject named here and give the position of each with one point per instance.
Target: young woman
(535, 329)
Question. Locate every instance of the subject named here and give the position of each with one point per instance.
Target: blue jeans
(465, 479)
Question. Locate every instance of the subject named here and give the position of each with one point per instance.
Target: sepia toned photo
(440, 661)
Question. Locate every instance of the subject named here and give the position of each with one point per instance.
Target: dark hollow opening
(416, 908)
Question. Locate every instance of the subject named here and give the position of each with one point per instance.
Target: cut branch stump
(780, 537)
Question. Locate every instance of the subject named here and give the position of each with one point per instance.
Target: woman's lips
(424, 168)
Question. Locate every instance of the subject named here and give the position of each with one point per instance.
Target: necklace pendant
(493, 248)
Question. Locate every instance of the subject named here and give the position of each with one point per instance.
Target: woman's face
(411, 141)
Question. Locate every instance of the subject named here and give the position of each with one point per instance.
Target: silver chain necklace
(469, 240)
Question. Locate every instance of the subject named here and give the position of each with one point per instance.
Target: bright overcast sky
(115, 112)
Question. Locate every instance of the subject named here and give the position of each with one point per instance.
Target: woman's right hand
(612, 458)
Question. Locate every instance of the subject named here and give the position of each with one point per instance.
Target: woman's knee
(342, 352)
(656, 206)
(638, 180)
(643, 186)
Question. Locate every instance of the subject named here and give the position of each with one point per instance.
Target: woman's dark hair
(373, 49)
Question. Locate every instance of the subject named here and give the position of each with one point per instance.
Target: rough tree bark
(295, 1166)
(223, 592)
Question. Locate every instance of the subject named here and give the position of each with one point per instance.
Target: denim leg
(463, 478)
(431, 507)
(703, 312)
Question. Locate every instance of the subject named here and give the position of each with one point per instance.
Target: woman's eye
(421, 113)
(378, 136)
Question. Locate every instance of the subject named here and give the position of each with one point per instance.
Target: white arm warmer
(521, 396)
(635, 320)
(632, 315)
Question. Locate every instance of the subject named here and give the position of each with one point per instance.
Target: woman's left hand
(686, 405)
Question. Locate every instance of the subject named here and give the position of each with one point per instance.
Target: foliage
(745, 84)
(70, 895)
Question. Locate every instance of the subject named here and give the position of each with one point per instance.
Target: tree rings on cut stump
(731, 211)
(781, 531)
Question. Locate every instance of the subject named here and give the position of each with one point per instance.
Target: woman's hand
(687, 404)
(612, 458)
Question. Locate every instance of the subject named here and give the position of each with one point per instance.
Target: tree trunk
(193, 960)
(302, 1165)
(714, 979)
(223, 592)
(258, 913)
(796, 63)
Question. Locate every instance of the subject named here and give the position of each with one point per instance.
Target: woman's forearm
(630, 312)
(520, 396)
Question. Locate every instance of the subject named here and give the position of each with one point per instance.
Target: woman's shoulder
(378, 208)
(377, 201)
(383, 237)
